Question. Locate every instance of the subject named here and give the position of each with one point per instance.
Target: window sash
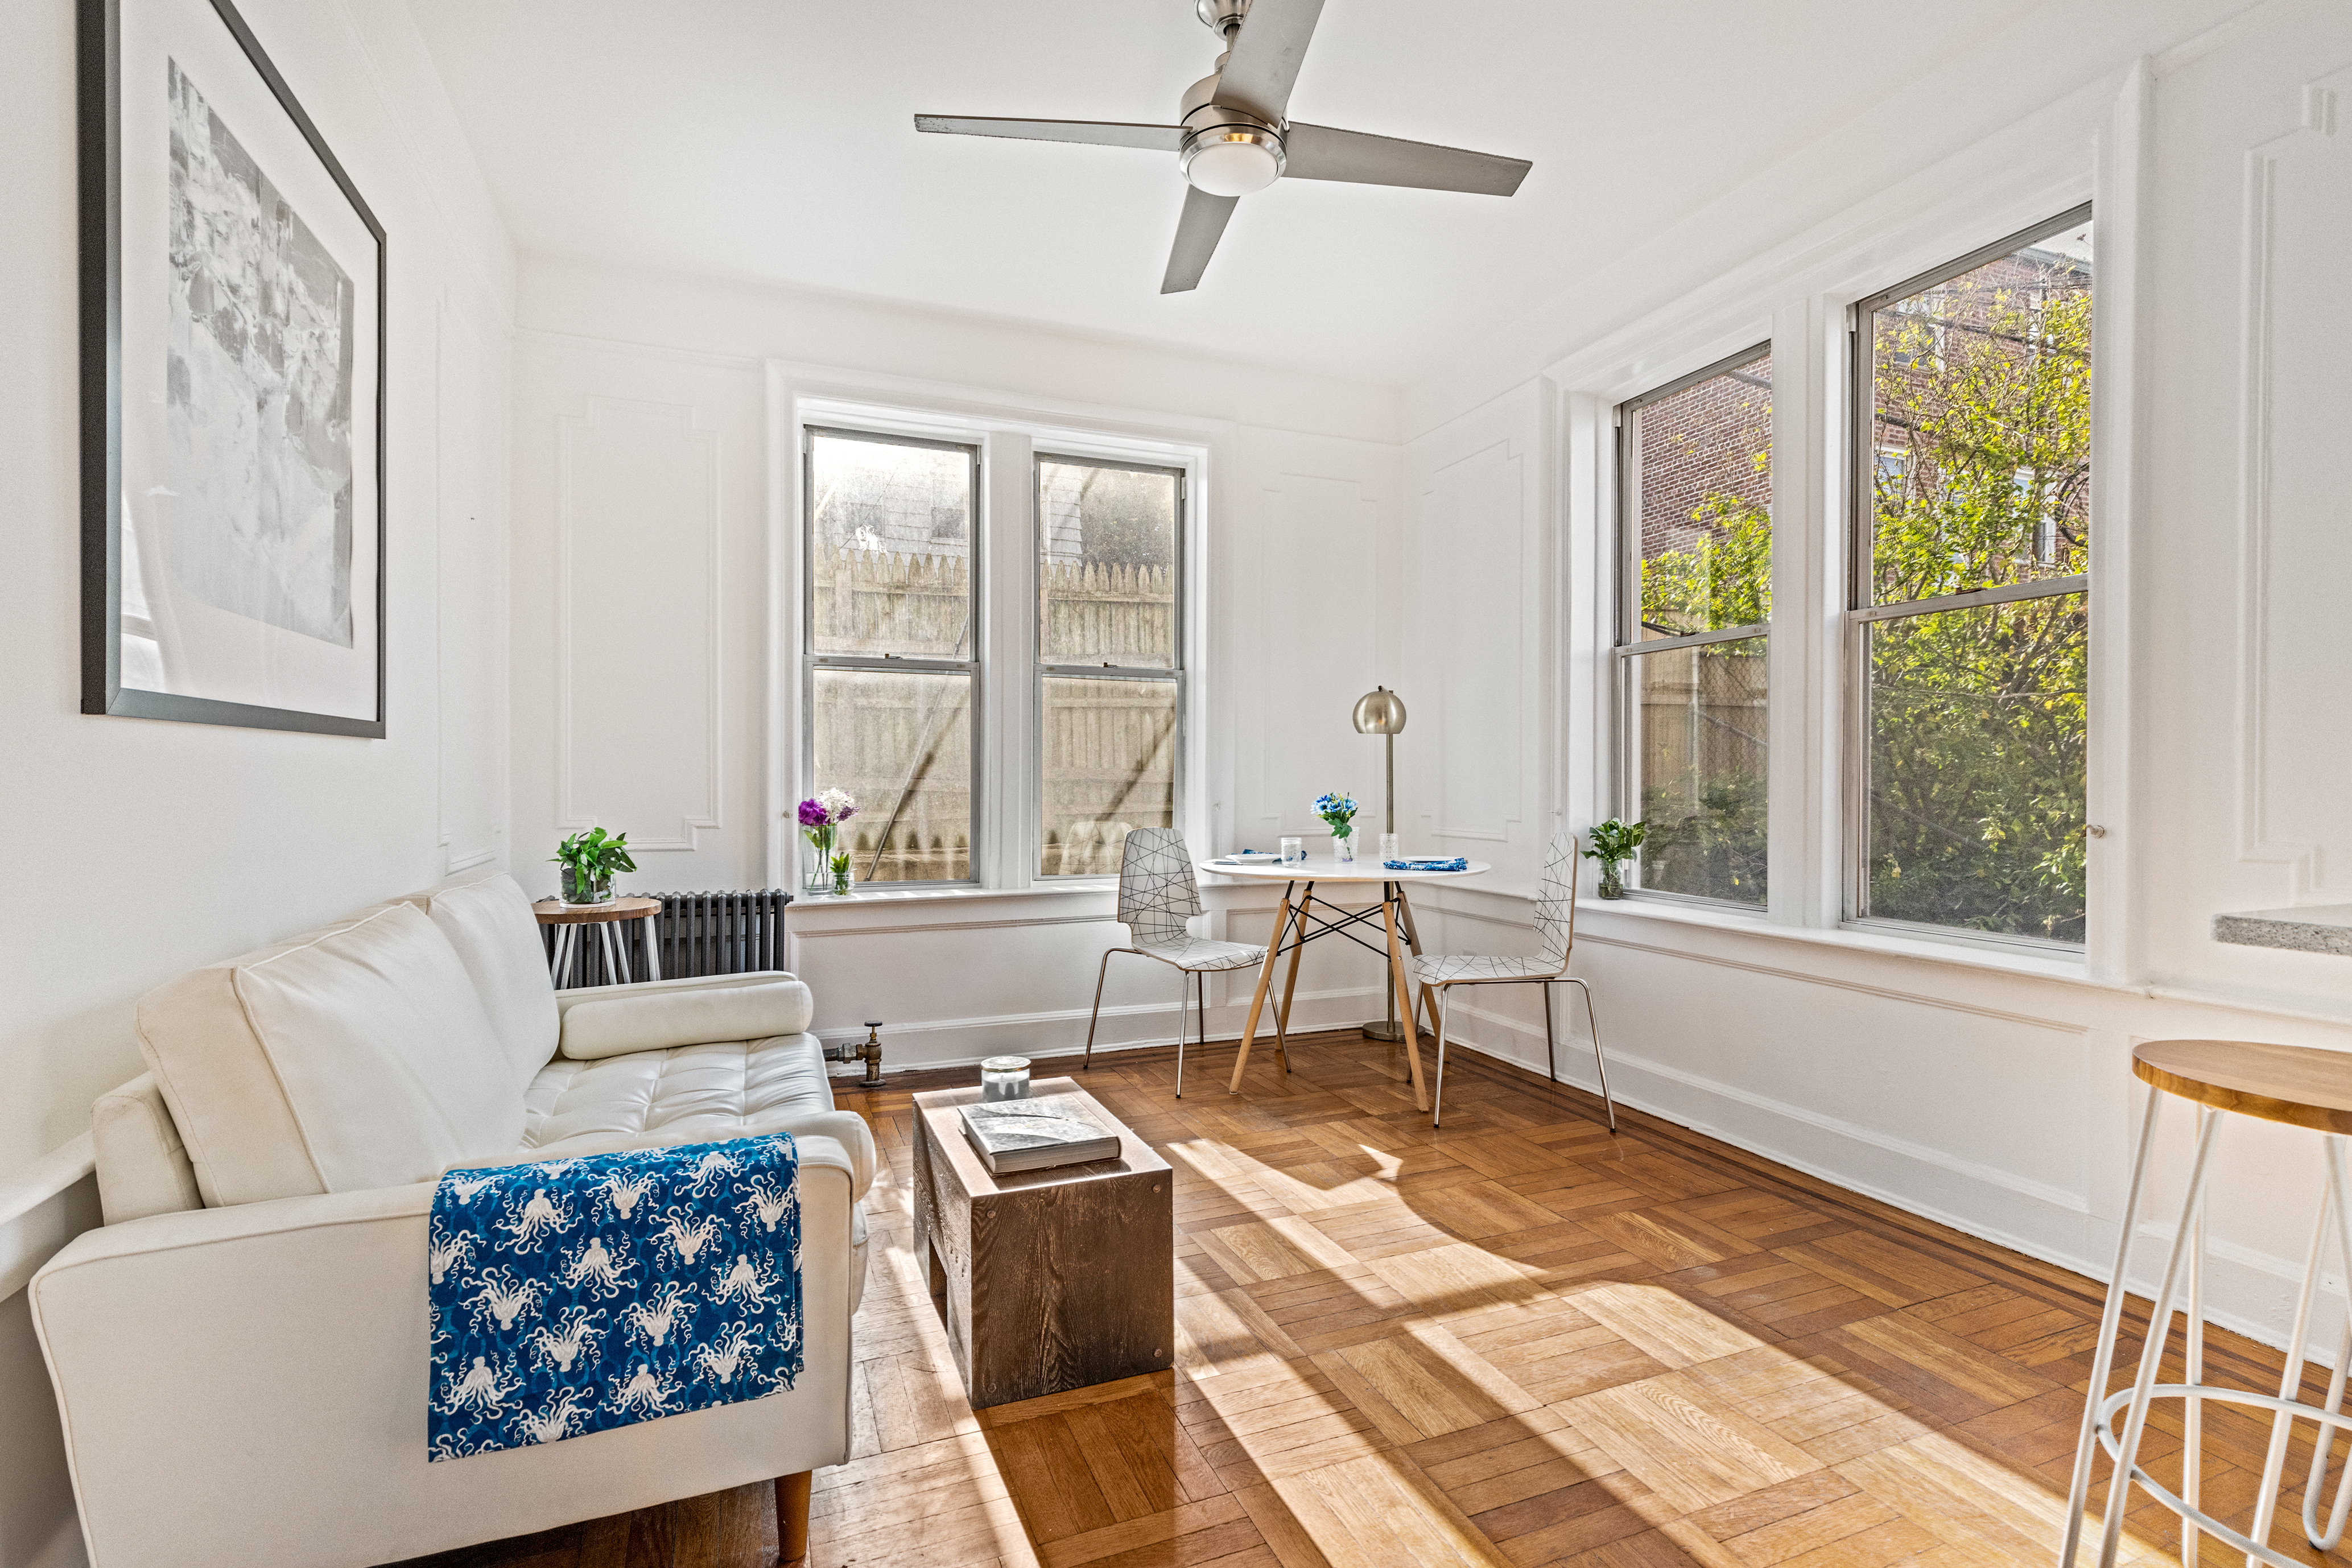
(1628, 492)
(1861, 614)
(1108, 675)
(812, 661)
(1862, 521)
(1173, 673)
(1631, 646)
(1630, 751)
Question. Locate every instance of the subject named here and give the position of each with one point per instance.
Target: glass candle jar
(1004, 1077)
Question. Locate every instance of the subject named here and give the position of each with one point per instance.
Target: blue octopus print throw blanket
(576, 1295)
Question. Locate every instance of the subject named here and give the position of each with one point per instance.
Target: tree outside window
(1971, 603)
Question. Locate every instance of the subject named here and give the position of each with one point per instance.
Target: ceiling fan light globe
(1233, 163)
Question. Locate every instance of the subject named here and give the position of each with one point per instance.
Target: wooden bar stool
(2292, 1084)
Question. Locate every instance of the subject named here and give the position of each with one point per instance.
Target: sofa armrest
(566, 998)
(245, 1388)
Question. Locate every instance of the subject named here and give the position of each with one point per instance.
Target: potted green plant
(1614, 843)
(589, 860)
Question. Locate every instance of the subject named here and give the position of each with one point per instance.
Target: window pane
(1702, 750)
(901, 743)
(890, 548)
(1980, 431)
(1703, 462)
(1977, 746)
(1110, 765)
(1107, 567)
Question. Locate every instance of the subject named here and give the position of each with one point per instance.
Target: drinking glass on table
(1294, 851)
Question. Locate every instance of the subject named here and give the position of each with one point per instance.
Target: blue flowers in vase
(1338, 811)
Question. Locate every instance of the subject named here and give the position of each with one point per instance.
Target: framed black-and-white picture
(232, 395)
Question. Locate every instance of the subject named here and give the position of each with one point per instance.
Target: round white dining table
(1297, 922)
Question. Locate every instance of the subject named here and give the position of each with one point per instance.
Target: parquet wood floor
(1514, 1342)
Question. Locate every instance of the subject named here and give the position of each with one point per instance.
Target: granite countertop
(2326, 927)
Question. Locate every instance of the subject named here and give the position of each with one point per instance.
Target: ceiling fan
(1231, 138)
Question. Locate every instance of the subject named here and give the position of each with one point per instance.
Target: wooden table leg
(1412, 945)
(1290, 983)
(1265, 980)
(1404, 982)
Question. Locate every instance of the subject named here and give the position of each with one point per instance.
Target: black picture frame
(99, 88)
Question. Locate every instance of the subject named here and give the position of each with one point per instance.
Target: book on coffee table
(1014, 1135)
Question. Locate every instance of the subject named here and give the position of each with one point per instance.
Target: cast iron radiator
(696, 933)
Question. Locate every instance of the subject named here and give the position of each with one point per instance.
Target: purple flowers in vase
(821, 820)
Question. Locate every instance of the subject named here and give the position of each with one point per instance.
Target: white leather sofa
(239, 1352)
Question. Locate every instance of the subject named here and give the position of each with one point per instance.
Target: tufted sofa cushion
(692, 1094)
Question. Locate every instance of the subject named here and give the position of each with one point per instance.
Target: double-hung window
(1694, 489)
(999, 683)
(1969, 623)
(892, 645)
(1110, 657)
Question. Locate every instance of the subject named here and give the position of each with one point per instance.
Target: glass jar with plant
(1338, 811)
(589, 860)
(1614, 843)
(821, 819)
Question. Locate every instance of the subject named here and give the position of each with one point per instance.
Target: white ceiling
(772, 141)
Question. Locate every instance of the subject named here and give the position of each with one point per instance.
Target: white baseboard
(964, 1042)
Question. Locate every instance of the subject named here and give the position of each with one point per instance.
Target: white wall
(1989, 1094)
(137, 849)
(658, 538)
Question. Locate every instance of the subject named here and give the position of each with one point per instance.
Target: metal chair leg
(1599, 1063)
(1183, 996)
(1101, 969)
(1552, 1069)
(1437, 1096)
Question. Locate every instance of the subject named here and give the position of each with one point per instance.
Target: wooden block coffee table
(1050, 1280)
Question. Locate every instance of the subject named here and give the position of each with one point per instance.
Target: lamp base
(1384, 1029)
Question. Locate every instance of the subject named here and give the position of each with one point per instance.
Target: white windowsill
(1962, 953)
(948, 893)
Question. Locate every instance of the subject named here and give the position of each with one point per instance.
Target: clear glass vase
(1612, 881)
(591, 889)
(1343, 849)
(816, 871)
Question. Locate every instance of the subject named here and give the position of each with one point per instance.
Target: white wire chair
(1157, 897)
(1556, 925)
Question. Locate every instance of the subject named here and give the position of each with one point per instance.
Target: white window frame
(1860, 614)
(1040, 454)
(974, 667)
(1631, 649)
(1007, 831)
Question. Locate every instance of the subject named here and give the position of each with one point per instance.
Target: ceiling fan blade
(1319, 152)
(1197, 233)
(1266, 56)
(1097, 132)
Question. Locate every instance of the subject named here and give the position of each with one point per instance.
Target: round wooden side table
(571, 920)
(2301, 1087)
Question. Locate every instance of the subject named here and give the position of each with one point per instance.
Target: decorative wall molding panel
(2294, 522)
(1318, 580)
(639, 550)
(470, 627)
(1473, 551)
